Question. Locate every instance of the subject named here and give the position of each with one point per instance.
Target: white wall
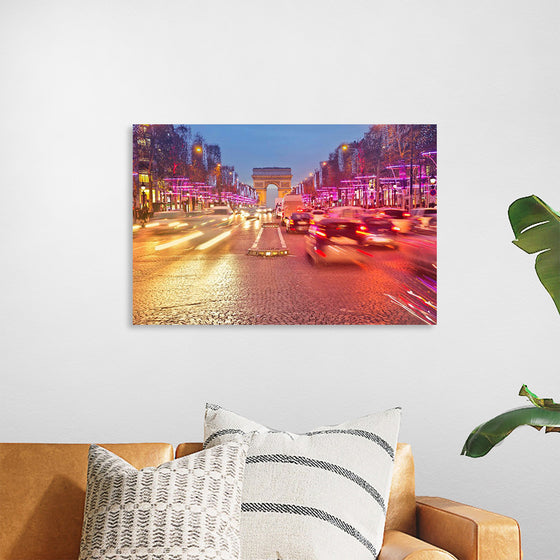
(76, 75)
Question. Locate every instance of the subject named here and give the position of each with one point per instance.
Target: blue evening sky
(299, 146)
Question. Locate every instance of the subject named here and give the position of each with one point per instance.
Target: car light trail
(408, 307)
(153, 224)
(365, 253)
(426, 301)
(179, 241)
(214, 240)
(134, 228)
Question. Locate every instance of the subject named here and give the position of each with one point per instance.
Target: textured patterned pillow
(187, 509)
(321, 495)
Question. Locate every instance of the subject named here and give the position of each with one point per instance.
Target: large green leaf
(487, 435)
(545, 413)
(537, 230)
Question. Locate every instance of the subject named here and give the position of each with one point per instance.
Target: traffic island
(269, 242)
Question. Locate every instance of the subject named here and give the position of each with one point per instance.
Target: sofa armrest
(467, 532)
(401, 546)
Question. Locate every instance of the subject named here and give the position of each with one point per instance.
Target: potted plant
(537, 230)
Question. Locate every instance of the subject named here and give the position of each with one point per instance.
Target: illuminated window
(144, 178)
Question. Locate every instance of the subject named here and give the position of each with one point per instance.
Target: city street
(203, 275)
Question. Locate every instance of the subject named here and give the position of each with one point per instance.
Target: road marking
(281, 239)
(178, 241)
(214, 240)
(257, 239)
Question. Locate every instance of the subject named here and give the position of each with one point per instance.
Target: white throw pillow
(187, 509)
(321, 495)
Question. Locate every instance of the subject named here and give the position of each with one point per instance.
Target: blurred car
(352, 212)
(223, 214)
(421, 249)
(167, 221)
(251, 214)
(335, 240)
(380, 232)
(196, 218)
(291, 203)
(298, 222)
(318, 214)
(398, 216)
(220, 210)
(421, 217)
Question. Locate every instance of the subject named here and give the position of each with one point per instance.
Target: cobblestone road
(192, 283)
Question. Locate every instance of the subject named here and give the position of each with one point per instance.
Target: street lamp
(433, 191)
(219, 181)
(344, 147)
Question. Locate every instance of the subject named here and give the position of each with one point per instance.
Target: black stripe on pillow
(315, 463)
(221, 433)
(360, 433)
(312, 512)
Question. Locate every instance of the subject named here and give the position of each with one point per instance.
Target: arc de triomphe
(281, 177)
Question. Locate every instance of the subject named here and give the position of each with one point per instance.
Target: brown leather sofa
(42, 492)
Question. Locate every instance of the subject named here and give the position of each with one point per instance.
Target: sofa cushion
(322, 494)
(42, 493)
(186, 509)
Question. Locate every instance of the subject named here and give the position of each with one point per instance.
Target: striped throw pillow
(321, 495)
(187, 509)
